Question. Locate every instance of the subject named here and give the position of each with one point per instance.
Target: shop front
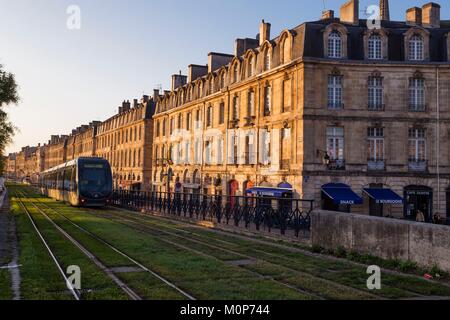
(381, 199)
(339, 197)
(418, 202)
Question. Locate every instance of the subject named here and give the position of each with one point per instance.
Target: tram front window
(95, 177)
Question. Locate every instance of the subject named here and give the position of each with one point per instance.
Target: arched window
(286, 51)
(267, 59)
(211, 85)
(334, 45)
(375, 47)
(222, 80)
(416, 48)
(251, 63)
(236, 73)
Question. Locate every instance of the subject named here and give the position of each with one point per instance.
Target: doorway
(375, 209)
(418, 198)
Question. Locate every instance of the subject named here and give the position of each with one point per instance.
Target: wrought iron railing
(272, 214)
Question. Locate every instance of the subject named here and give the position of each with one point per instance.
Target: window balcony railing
(376, 107)
(418, 165)
(336, 165)
(376, 165)
(335, 105)
(416, 107)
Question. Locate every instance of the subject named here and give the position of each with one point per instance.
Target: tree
(8, 95)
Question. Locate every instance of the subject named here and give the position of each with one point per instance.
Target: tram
(83, 182)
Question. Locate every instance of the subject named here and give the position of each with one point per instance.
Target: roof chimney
(350, 12)
(242, 45)
(196, 71)
(178, 80)
(217, 60)
(328, 15)
(431, 15)
(264, 32)
(384, 10)
(414, 16)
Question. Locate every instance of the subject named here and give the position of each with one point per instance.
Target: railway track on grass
(118, 251)
(75, 293)
(128, 291)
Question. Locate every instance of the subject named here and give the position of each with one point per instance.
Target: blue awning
(269, 192)
(341, 194)
(285, 185)
(384, 196)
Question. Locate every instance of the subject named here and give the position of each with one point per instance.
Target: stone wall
(425, 244)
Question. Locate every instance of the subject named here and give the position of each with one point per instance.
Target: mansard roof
(313, 44)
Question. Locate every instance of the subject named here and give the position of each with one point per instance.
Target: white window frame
(375, 93)
(416, 48)
(335, 45)
(335, 91)
(376, 145)
(417, 94)
(336, 143)
(418, 142)
(375, 47)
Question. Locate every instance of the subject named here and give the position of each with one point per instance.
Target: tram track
(136, 224)
(93, 258)
(118, 251)
(75, 293)
(138, 220)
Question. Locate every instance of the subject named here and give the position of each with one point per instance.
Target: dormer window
(375, 47)
(416, 48)
(211, 86)
(267, 60)
(236, 73)
(334, 45)
(250, 67)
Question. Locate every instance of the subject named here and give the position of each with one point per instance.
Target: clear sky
(126, 48)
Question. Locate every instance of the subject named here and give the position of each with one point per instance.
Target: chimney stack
(155, 95)
(414, 16)
(431, 15)
(328, 15)
(135, 103)
(350, 12)
(264, 32)
(196, 71)
(178, 80)
(384, 10)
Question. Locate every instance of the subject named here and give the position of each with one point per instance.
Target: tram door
(418, 199)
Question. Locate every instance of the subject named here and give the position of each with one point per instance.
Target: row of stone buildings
(125, 140)
(352, 113)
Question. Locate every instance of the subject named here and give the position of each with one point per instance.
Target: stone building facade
(82, 142)
(338, 103)
(56, 151)
(125, 140)
(10, 167)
